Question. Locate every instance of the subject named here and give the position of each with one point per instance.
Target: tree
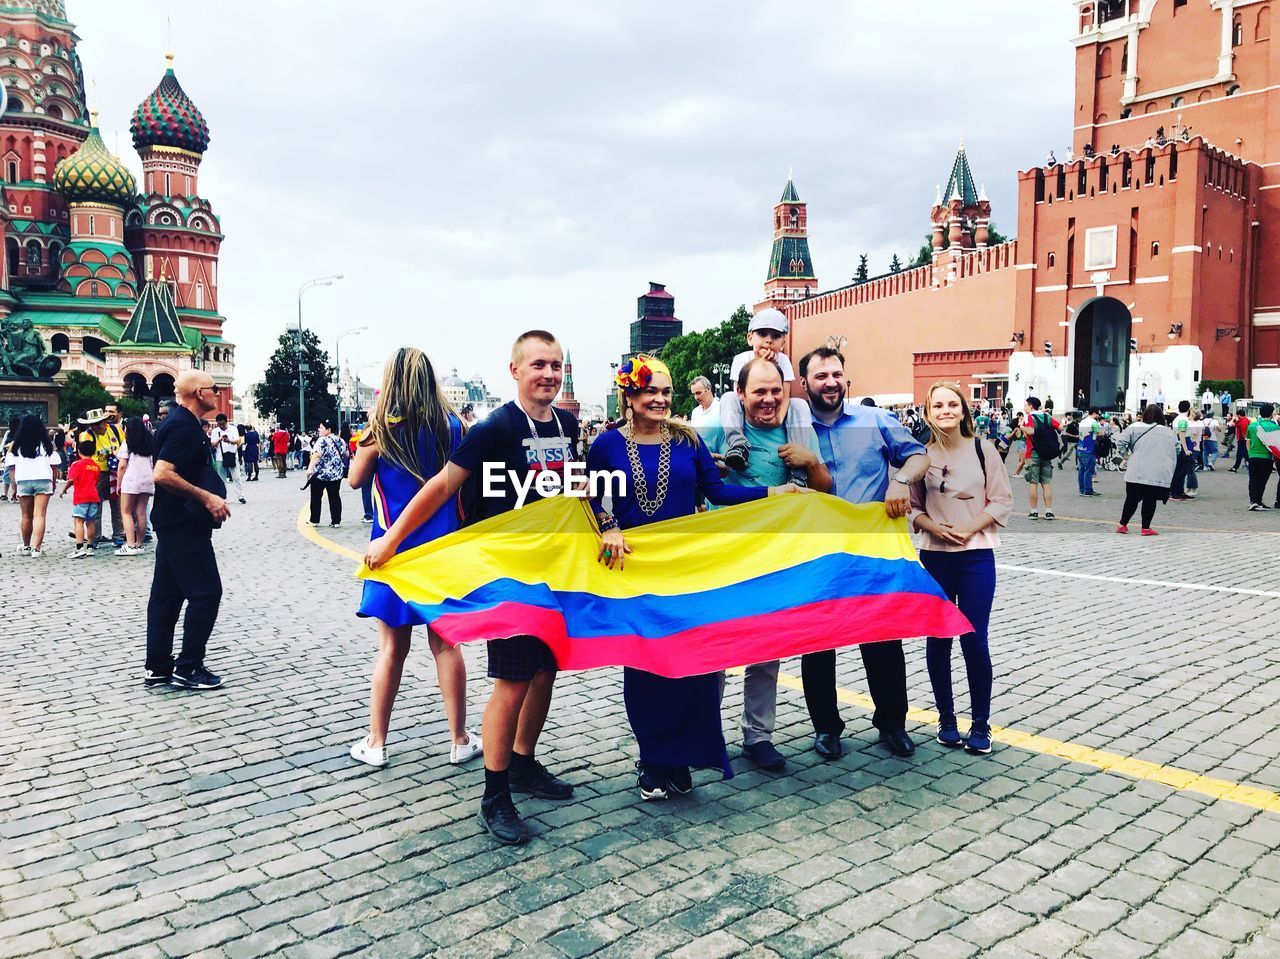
(698, 354)
(925, 256)
(863, 273)
(277, 395)
(131, 406)
(994, 236)
(81, 392)
(895, 265)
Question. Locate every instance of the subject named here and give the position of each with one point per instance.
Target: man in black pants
(190, 502)
(872, 458)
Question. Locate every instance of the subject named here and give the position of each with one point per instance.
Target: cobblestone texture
(233, 823)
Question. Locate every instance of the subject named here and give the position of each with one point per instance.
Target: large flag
(775, 578)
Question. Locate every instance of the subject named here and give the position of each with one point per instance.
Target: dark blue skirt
(380, 601)
(676, 721)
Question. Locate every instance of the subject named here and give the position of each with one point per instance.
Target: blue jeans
(1210, 453)
(366, 498)
(967, 577)
(1086, 463)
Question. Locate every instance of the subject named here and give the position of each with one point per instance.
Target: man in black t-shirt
(190, 502)
(505, 452)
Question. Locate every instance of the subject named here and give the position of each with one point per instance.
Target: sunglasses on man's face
(216, 389)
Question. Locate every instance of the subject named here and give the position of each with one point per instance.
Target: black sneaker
(679, 780)
(154, 677)
(243, 500)
(198, 678)
(765, 756)
(949, 732)
(736, 458)
(534, 780)
(501, 821)
(652, 785)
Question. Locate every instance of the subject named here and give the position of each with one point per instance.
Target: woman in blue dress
(412, 432)
(676, 721)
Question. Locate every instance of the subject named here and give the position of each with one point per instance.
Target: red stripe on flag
(830, 624)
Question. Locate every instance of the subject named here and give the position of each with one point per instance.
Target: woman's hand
(943, 531)
(613, 546)
(786, 488)
(378, 552)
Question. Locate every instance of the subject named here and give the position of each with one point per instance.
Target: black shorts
(519, 658)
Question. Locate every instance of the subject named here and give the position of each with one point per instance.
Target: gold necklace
(649, 506)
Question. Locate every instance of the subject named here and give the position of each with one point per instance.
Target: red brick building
(1152, 231)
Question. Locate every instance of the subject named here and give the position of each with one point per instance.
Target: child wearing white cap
(766, 335)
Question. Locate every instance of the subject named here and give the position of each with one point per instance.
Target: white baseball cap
(769, 319)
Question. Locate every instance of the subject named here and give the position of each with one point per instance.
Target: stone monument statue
(23, 354)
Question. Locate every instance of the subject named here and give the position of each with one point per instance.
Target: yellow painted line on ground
(309, 532)
(1178, 779)
(1169, 584)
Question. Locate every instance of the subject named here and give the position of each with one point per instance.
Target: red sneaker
(1149, 532)
(1122, 528)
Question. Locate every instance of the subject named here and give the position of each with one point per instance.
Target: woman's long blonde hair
(411, 400)
(967, 427)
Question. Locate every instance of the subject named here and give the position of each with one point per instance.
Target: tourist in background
(958, 507)
(1043, 444)
(1087, 452)
(280, 451)
(1185, 481)
(411, 434)
(136, 484)
(1261, 459)
(324, 474)
(1153, 453)
(1241, 429)
(35, 466)
(10, 493)
(252, 454)
(226, 441)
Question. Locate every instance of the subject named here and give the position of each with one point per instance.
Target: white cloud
(477, 169)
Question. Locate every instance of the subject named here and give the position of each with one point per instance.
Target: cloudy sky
(478, 169)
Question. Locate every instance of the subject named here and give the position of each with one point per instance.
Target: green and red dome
(169, 118)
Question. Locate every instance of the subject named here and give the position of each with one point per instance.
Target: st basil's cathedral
(118, 282)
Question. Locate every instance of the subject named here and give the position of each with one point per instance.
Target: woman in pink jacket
(957, 510)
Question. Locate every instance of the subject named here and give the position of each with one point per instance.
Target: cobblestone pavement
(233, 823)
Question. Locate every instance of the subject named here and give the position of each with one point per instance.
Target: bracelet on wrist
(608, 523)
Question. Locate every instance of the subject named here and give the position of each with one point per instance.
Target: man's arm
(897, 498)
(166, 477)
(434, 494)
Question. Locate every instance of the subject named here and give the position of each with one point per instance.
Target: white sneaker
(124, 551)
(468, 750)
(24, 550)
(36, 554)
(82, 552)
(364, 753)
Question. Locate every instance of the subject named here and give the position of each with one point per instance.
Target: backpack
(1044, 440)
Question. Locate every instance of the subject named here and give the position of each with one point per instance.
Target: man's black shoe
(198, 678)
(899, 742)
(765, 756)
(827, 745)
(152, 677)
(501, 821)
(534, 780)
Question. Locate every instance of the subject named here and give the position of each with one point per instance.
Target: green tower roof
(155, 320)
(961, 181)
(789, 194)
(94, 175)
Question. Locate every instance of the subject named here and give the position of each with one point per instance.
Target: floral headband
(635, 374)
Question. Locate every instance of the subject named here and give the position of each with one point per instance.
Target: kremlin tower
(120, 284)
(791, 275)
(566, 401)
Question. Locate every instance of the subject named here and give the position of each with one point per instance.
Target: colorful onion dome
(93, 175)
(169, 118)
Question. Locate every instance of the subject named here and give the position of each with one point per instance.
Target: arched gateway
(1103, 327)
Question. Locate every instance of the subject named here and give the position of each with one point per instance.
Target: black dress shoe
(765, 756)
(827, 745)
(899, 742)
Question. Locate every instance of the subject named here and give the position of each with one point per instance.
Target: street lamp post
(302, 367)
(337, 361)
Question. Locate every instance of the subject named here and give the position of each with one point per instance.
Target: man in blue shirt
(872, 459)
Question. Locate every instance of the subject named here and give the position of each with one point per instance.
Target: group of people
(758, 442)
(105, 466)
